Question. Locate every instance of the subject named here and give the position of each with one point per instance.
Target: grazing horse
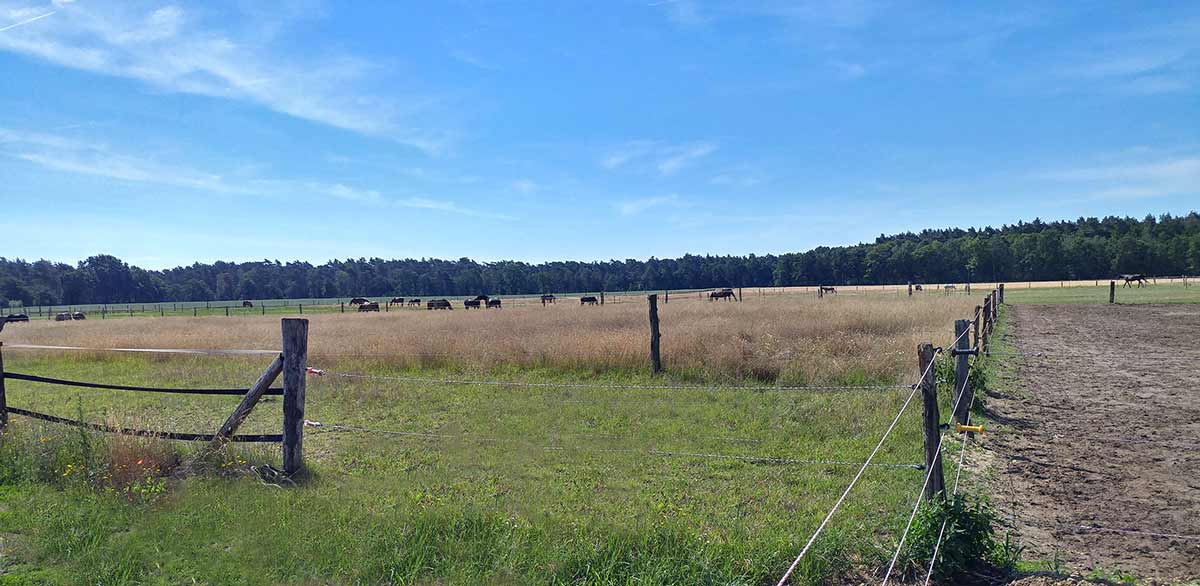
(547, 299)
(414, 301)
(78, 315)
(471, 304)
(396, 301)
(438, 304)
(372, 306)
(62, 317)
(493, 303)
(825, 289)
(359, 301)
(247, 304)
(1139, 279)
(724, 293)
(588, 300)
(949, 288)
(918, 288)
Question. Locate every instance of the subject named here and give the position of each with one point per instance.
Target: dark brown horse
(588, 300)
(493, 303)
(247, 304)
(471, 304)
(1139, 279)
(372, 306)
(396, 301)
(827, 289)
(547, 299)
(414, 301)
(724, 293)
(438, 304)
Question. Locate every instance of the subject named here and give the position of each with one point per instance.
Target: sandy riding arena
(1099, 446)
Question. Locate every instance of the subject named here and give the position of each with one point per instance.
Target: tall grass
(787, 339)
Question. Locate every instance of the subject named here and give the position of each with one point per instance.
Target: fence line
(854, 481)
(323, 428)
(70, 383)
(263, 438)
(959, 394)
(202, 351)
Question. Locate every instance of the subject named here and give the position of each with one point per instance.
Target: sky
(169, 133)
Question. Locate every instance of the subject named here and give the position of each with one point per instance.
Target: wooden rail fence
(290, 363)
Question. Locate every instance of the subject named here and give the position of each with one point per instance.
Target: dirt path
(1102, 430)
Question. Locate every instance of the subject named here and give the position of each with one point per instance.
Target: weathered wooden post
(1112, 291)
(295, 358)
(343, 306)
(910, 289)
(602, 298)
(264, 308)
(3, 398)
(1001, 293)
(194, 312)
(655, 357)
(226, 311)
(739, 294)
(666, 296)
(987, 323)
(932, 421)
(978, 312)
(301, 306)
(962, 391)
(249, 400)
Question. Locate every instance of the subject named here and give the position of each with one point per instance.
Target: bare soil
(1099, 442)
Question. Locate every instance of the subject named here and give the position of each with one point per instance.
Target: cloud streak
(666, 159)
(68, 155)
(171, 49)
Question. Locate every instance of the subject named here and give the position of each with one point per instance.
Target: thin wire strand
(957, 475)
(857, 476)
(928, 474)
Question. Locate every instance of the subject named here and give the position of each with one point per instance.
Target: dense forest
(1088, 248)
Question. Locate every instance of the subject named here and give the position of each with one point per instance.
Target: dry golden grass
(786, 338)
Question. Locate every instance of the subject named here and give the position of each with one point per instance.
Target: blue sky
(170, 133)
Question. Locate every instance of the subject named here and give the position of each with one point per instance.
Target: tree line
(1087, 248)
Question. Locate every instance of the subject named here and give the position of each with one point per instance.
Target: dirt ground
(1099, 442)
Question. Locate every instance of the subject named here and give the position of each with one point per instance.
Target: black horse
(1139, 279)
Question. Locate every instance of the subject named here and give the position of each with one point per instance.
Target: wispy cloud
(526, 186)
(27, 21)
(1118, 180)
(666, 159)
(68, 155)
(636, 206)
(171, 49)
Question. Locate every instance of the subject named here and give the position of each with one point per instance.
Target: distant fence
(262, 307)
(290, 363)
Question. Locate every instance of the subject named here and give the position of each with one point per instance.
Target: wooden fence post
(1001, 293)
(666, 296)
(962, 390)
(910, 289)
(295, 358)
(932, 422)
(226, 311)
(987, 323)
(1112, 291)
(655, 357)
(978, 312)
(193, 312)
(602, 298)
(3, 398)
(343, 306)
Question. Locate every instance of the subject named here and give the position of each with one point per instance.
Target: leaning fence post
(931, 420)
(962, 391)
(1112, 291)
(295, 357)
(3, 398)
(655, 357)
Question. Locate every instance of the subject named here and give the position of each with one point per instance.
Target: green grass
(529, 485)
(1174, 293)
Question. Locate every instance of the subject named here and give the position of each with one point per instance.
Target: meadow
(585, 470)
(1089, 293)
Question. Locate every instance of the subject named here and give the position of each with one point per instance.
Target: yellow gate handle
(960, 428)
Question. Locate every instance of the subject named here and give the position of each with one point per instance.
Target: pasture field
(554, 479)
(1161, 293)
